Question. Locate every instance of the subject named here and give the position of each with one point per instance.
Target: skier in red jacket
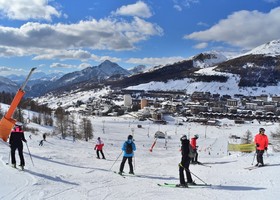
(261, 142)
(98, 147)
(193, 144)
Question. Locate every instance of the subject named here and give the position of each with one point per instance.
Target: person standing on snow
(98, 147)
(185, 163)
(128, 148)
(15, 141)
(193, 144)
(261, 141)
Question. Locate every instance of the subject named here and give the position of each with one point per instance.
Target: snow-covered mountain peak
(271, 48)
(208, 59)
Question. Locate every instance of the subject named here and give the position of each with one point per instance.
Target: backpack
(192, 152)
(129, 149)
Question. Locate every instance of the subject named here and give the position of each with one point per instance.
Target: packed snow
(67, 169)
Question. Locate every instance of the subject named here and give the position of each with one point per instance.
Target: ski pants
(97, 153)
(129, 163)
(194, 159)
(185, 167)
(20, 153)
(260, 156)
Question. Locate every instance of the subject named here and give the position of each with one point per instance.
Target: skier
(185, 163)
(98, 147)
(261, 142)
(128, 148)
(44, 136)
(15, 141)
(193, 144)
(41, 143)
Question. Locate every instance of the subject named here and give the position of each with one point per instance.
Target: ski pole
(9, 158)
(254, 158)
(115, 161)
(204, 165)
(180, 164)
(134, 162)
(29, 153)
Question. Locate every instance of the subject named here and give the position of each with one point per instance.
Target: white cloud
(105, 34)
(155, 61)
(202, 24)
(11, 70)
(64, 55)
(28, 9)
(244, 29)
(72, 55)
(68, 66)
(180, 4)
(201, 45)
(177, 7)
(139, 9)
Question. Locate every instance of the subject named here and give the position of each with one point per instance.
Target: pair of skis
(255, 167)
(127, 174)
(173, 185)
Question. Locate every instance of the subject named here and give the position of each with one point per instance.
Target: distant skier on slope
(194, 146)
(15, 141)
(261, 141)
(185, 163)
(128, 148)
(99, 148)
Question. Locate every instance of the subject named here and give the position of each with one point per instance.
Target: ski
(199, 163)
(170, 185)
(255, 167)
(189, 185)
(127, 174)
(119, 174)
(19, 169)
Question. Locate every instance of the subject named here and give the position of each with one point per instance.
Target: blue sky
(61, 35)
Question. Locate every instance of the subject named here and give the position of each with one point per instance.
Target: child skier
(261, 142)
(98, 147)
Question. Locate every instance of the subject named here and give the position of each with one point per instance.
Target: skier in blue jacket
(128, 148)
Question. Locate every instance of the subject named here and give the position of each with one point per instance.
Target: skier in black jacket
(16, 138)
(185, 163)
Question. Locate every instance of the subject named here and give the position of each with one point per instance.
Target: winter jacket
(99, 145)
(124, 148)
(16, 138)
(193, 142)
(185, 151)
(261, 141)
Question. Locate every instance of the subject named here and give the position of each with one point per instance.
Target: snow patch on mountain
(271, 48)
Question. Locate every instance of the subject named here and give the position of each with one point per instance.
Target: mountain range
(259, 67)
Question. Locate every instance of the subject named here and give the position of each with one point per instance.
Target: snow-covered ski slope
(64, 169)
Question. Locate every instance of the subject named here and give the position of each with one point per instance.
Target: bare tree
(61, 121)
(247, 138)
(48, 120)
(72, 126)
(276, 137)
(18, 114)
(86, 129)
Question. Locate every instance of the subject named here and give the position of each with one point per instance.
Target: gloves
(265, 148)
(257, 145)
(94, 148)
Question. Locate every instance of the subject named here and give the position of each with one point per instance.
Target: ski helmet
(196, 136)
(262, 130)
(183, 137)
(130, 137)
